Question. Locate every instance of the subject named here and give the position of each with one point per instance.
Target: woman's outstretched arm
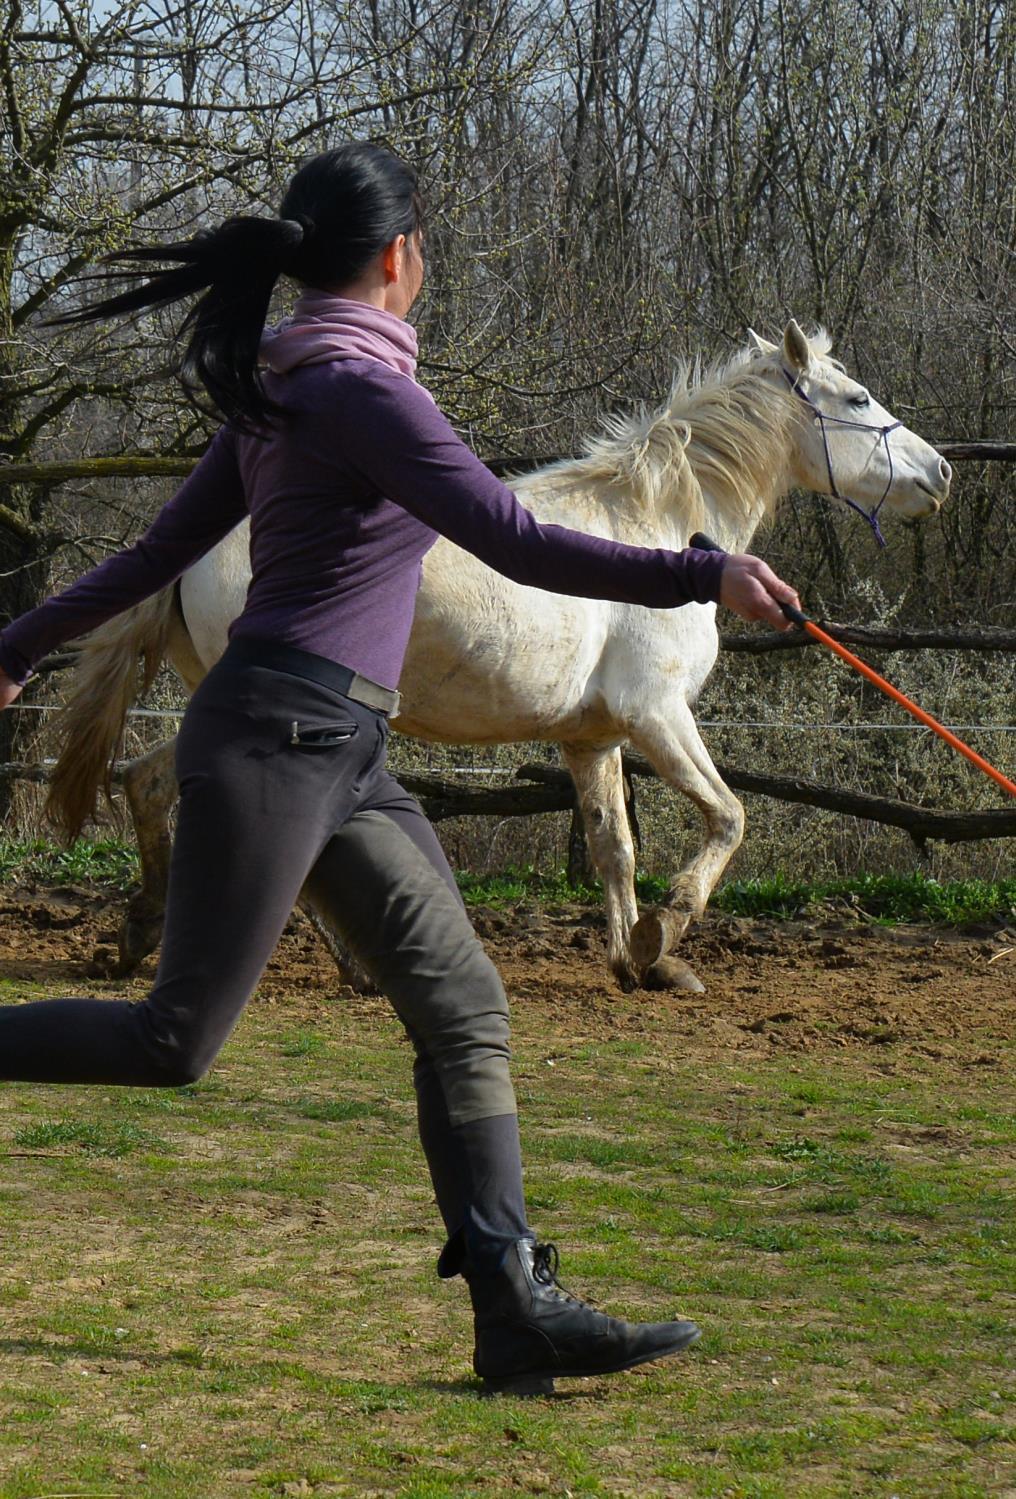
(402, 445)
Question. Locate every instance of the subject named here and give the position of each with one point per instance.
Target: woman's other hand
(751, 589)
(8, 690)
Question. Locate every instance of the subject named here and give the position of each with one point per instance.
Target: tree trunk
(23, 575)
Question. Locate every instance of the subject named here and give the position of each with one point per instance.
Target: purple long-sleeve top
(345, 498)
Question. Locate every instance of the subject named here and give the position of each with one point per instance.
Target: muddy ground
(898, 994)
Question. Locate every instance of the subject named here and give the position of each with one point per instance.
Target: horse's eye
(864, 399)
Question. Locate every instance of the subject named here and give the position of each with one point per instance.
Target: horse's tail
(89, 727)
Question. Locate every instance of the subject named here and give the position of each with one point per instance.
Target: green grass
(244, 1305)
(884, 898)
(102, 862)
(98, 1139)
(523, 883)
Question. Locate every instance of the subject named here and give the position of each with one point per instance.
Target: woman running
(348, 472)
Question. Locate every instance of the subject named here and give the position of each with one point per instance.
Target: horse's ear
(760, 347)
(796, 347)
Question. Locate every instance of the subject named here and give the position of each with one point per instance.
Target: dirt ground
(836, 982)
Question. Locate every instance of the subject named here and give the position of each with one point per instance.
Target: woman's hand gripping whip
(706, 544)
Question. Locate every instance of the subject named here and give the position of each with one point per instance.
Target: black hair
(339, 211)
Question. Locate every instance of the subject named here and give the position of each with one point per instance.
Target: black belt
(278, 656)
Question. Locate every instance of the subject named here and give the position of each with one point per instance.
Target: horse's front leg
(676, 751)
(599, 785)
(149, 784)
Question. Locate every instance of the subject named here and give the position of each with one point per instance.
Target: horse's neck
(564, 498)
(740, 488)
(734, 532)
(594, 507)
(718, 461)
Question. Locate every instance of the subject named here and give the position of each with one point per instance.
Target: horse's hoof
(358, 980)
(135, 940)
(672, 973)
(648, 941)
(126, 964)
(103, 964)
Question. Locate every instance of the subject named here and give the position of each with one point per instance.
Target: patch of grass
(95, 862)
(975, 1431)
(337, 1110)
(524, 883)
(833, 1202)
(611, 1154)
(886, 898)
(107, 1138)
(887, 1234)
(770, 1238)
(799, 1148)
(303, 1044)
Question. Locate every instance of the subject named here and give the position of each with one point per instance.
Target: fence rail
(875, 640)
(445, 799)
(540, 788)
(177, 466)
(554, 791)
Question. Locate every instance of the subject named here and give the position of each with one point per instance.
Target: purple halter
(871, 516)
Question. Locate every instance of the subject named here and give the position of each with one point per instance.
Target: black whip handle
(704, 543)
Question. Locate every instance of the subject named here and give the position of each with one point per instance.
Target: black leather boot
(529, 1331)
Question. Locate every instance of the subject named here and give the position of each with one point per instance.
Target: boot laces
(545, 1263)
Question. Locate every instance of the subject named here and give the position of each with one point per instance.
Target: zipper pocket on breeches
(322, 736)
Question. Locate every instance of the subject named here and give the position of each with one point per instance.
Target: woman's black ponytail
(339, 211)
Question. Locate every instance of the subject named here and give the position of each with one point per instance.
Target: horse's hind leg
(350, 971)
(678, 754)
(149, 784)
(600, 789)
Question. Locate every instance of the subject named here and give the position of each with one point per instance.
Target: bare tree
(612, 184)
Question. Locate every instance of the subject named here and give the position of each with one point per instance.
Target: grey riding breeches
(282, 788)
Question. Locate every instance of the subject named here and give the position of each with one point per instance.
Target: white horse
(491, 661)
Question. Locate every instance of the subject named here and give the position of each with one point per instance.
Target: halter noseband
(822, 417)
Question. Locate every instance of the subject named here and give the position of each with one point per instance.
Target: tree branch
(22, 528)
(15, 123)
(45, 414)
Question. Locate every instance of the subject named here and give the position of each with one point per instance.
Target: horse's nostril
(945, 469)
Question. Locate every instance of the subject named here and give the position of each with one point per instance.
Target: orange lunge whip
(705, 544)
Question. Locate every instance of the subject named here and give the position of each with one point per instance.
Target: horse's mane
(715, 450)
